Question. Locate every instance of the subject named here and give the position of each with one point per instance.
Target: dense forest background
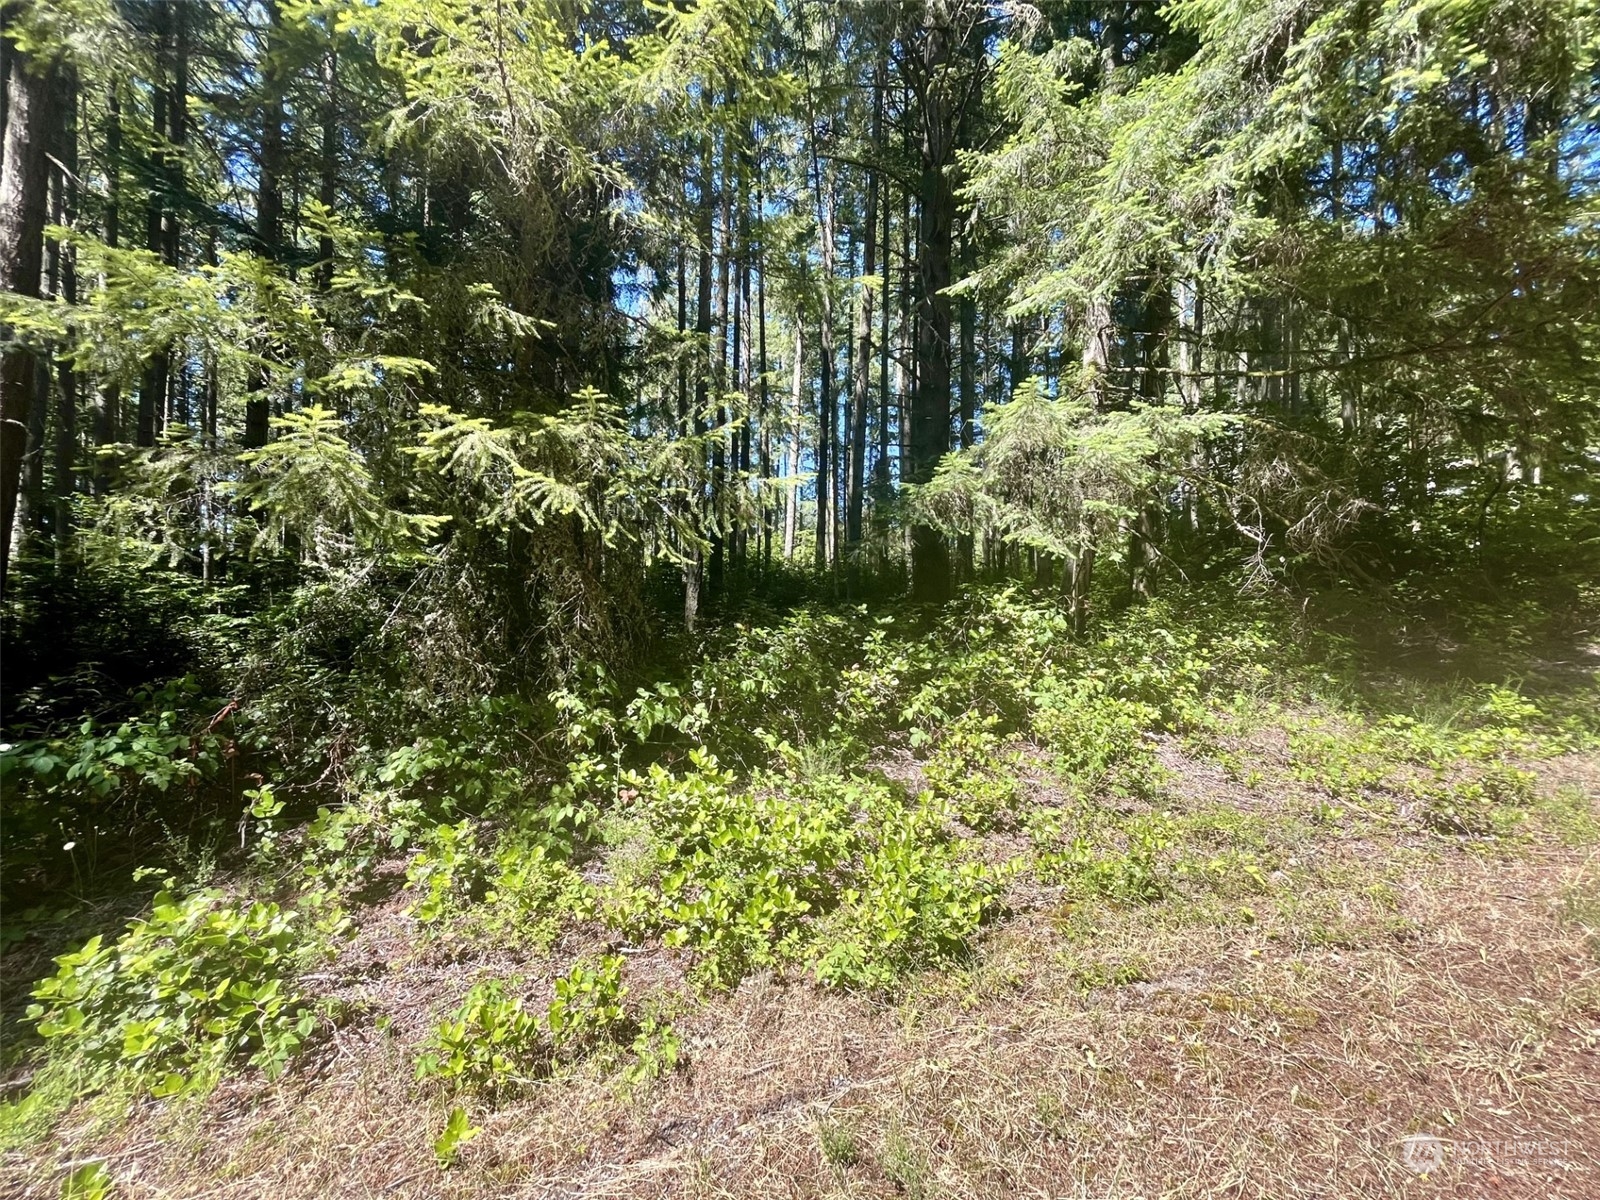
(394, 393)
(508, 320)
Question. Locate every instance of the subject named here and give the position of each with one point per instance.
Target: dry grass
(1228, 1041)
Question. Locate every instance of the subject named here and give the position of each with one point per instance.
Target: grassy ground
(1265, 953)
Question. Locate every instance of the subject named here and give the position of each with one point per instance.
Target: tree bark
(1097, 352)
(966, 432)
(702, 329)
(1079, 574)
(880, 469)
(108, 403)
(721, 359)
(762, 365)
(328, 185)
(862, 379)
(825, 416)
(930, 413)
(741, 350)
(24, 184)
(791, 494)
(153, 382)
(269, 215)
(65, 285)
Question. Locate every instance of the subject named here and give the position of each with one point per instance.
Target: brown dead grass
(1388, 984)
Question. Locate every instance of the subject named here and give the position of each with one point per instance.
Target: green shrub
(1347, 764)
(344, 845)
(521, 893)
(531, 894)
(1176, 655)
(587, 1010)
(184, 991)
(780, 681)
(730, 874)
(657, 1050)
(916, 899)
(841, 872)
(450, 869)
(1098, 740)
(967, 770)
(1491, 801)
(490, 1043)
(494, 1045)
(1102, 859)
(63, 792)
(470, 758)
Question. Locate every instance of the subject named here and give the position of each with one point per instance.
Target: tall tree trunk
(741, 348)
(1097, 351)
(24, 185)
(328, 184)
(269, 213)
(153, 382)
(825, 400)
(880, 468)
(845, 412)
(862, 379)
(177, 133)
(1017, 360)
(208, 414)
(766, 410)
(685, 424)
(968, 405)
(1078, 577)
(930, 413)
(791, 492)
(108, 403)
(702, 329)
(720, 379)
(65, 270)
(905, 358)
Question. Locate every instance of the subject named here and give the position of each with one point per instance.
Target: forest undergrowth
(1229, 897)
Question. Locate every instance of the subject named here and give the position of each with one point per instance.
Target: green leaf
(91, 1181)
(457, 1133)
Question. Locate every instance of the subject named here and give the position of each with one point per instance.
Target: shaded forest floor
(1321, 978)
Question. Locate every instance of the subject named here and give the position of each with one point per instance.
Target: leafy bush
(522, 893)
(967, 770)
(94, 637)
(1098, 740)
(916, 899)
(490, 1043)
(344, 845)
(657, 1050)
(450, 869)
(1347, 764)
(181, 993)
(838, 871)
(730, 875)
(1178, 660)
(779, 681)
(1101, 858)
(587, 1010)
(493, 1044)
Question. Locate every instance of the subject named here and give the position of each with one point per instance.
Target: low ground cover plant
(197, 985)
(862, 833)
